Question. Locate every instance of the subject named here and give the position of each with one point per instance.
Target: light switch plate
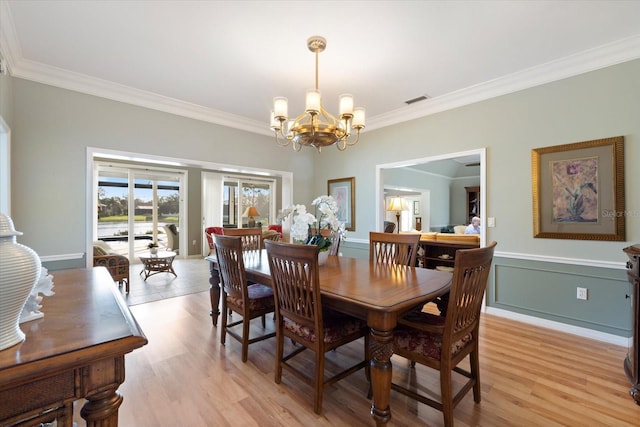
(491, 222)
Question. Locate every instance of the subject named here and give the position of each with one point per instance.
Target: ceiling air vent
(418, 99)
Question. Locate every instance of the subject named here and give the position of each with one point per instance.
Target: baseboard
(560, 327)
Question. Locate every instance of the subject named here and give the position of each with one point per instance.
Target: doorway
(136, 206)
(393, 175)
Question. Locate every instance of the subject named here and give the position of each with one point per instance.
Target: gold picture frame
(578, 190)
(343, 191)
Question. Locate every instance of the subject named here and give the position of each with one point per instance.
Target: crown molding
(590, 60)
(65, 79)
(583, 62)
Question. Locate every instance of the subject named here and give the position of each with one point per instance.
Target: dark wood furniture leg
(101, 381)
(214, 293)
(381, 350)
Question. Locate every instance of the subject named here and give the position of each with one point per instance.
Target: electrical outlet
(582, 293)
(194, 242)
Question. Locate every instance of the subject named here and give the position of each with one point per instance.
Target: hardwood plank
(531, 376)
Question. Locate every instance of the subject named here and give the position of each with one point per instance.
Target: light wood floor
(530, 377)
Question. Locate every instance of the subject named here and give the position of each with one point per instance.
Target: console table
(75, 351)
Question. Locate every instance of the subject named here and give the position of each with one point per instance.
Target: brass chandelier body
(317, 127)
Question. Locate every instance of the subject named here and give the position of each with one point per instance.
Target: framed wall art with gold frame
(578, 190)
(343, 191)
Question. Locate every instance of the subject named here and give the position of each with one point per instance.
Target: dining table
(377, 293)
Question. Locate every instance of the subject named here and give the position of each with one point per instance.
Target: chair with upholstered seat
(301, 318)
(209, 232)
(336, 239)
(271, 235)
(251, 237)
(118, 265)
(389, 248)
(459, 229)
(248, 300)
(172, 237)
(441, 342)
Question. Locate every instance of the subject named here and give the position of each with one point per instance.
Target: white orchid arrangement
(328, 208)
(302, 222)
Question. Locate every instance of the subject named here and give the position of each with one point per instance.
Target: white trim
(5, 168)
(561, 260)
(63, 257)
(589, 60)
(560, 327)
(482, 152)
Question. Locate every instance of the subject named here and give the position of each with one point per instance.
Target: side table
(157, 263)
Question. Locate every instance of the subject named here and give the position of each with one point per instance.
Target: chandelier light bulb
(313, 102)
(280, 107)
(358, 118)
(346, 105)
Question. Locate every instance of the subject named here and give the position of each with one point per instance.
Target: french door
(128, 227)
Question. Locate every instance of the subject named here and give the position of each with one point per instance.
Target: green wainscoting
(547, 290)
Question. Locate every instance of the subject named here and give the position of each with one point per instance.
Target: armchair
(118, 265)
(172, 237)
(209, 232)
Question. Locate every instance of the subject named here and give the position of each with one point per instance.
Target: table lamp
(251, 212)
(397, 204)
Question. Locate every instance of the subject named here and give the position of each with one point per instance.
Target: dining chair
(248, 300)
(251, 237)
(336, 239)
(421, 337)
(389, 248)
(301, 318)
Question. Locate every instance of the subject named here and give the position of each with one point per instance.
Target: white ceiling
(224, 61)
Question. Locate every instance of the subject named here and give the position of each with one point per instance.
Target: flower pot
(154, 251)
(20, 267)
(322, 257)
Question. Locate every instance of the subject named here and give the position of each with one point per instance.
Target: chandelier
(317, 127)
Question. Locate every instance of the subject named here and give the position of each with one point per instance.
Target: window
(240, 194)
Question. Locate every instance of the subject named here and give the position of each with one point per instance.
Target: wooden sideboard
(632, 361)
(441, 252)
(75, 351)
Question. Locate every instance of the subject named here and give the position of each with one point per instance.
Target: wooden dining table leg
(381, 350)
(214, 293)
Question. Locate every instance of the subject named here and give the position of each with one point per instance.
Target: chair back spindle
(388, 248)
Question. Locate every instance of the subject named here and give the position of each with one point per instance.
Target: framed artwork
(578, 190)
(343, 191)
(416, 207)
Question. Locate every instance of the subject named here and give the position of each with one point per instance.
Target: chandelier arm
(285, 141)
(351, 143)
